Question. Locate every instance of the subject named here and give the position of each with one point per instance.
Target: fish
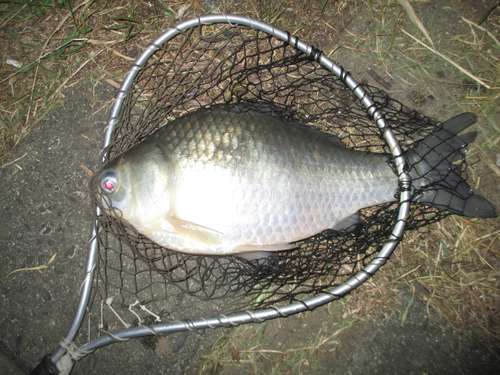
(226, 181)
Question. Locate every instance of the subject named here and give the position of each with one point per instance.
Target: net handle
(272, 312)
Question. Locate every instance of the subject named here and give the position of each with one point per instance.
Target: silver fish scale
(263, 181)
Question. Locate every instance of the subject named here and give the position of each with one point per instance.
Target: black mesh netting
(231, 64)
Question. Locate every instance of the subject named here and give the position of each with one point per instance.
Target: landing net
(200, 66)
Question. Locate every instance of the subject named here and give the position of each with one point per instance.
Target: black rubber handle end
(45, 367)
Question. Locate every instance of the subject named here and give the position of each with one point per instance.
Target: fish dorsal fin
(194, 232)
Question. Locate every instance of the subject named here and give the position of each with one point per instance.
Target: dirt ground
(45, 210)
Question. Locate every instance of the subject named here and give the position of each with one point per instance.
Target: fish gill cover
(230, 64)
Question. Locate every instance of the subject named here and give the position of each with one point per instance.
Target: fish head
(136, 186)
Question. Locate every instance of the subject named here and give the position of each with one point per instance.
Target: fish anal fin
(347, 223)
(194, 232)
(262, 252)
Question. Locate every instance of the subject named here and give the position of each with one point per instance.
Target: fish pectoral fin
(348, 223)
(195, 232)
(264, 248)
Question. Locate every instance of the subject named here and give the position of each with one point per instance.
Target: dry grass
(452, 267)
(459, 277)
(244, 351)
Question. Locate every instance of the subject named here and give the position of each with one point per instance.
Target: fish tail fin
(436, 170)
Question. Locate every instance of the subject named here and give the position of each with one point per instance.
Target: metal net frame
(227, 59)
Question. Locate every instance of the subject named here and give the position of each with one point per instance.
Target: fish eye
(108, 181)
